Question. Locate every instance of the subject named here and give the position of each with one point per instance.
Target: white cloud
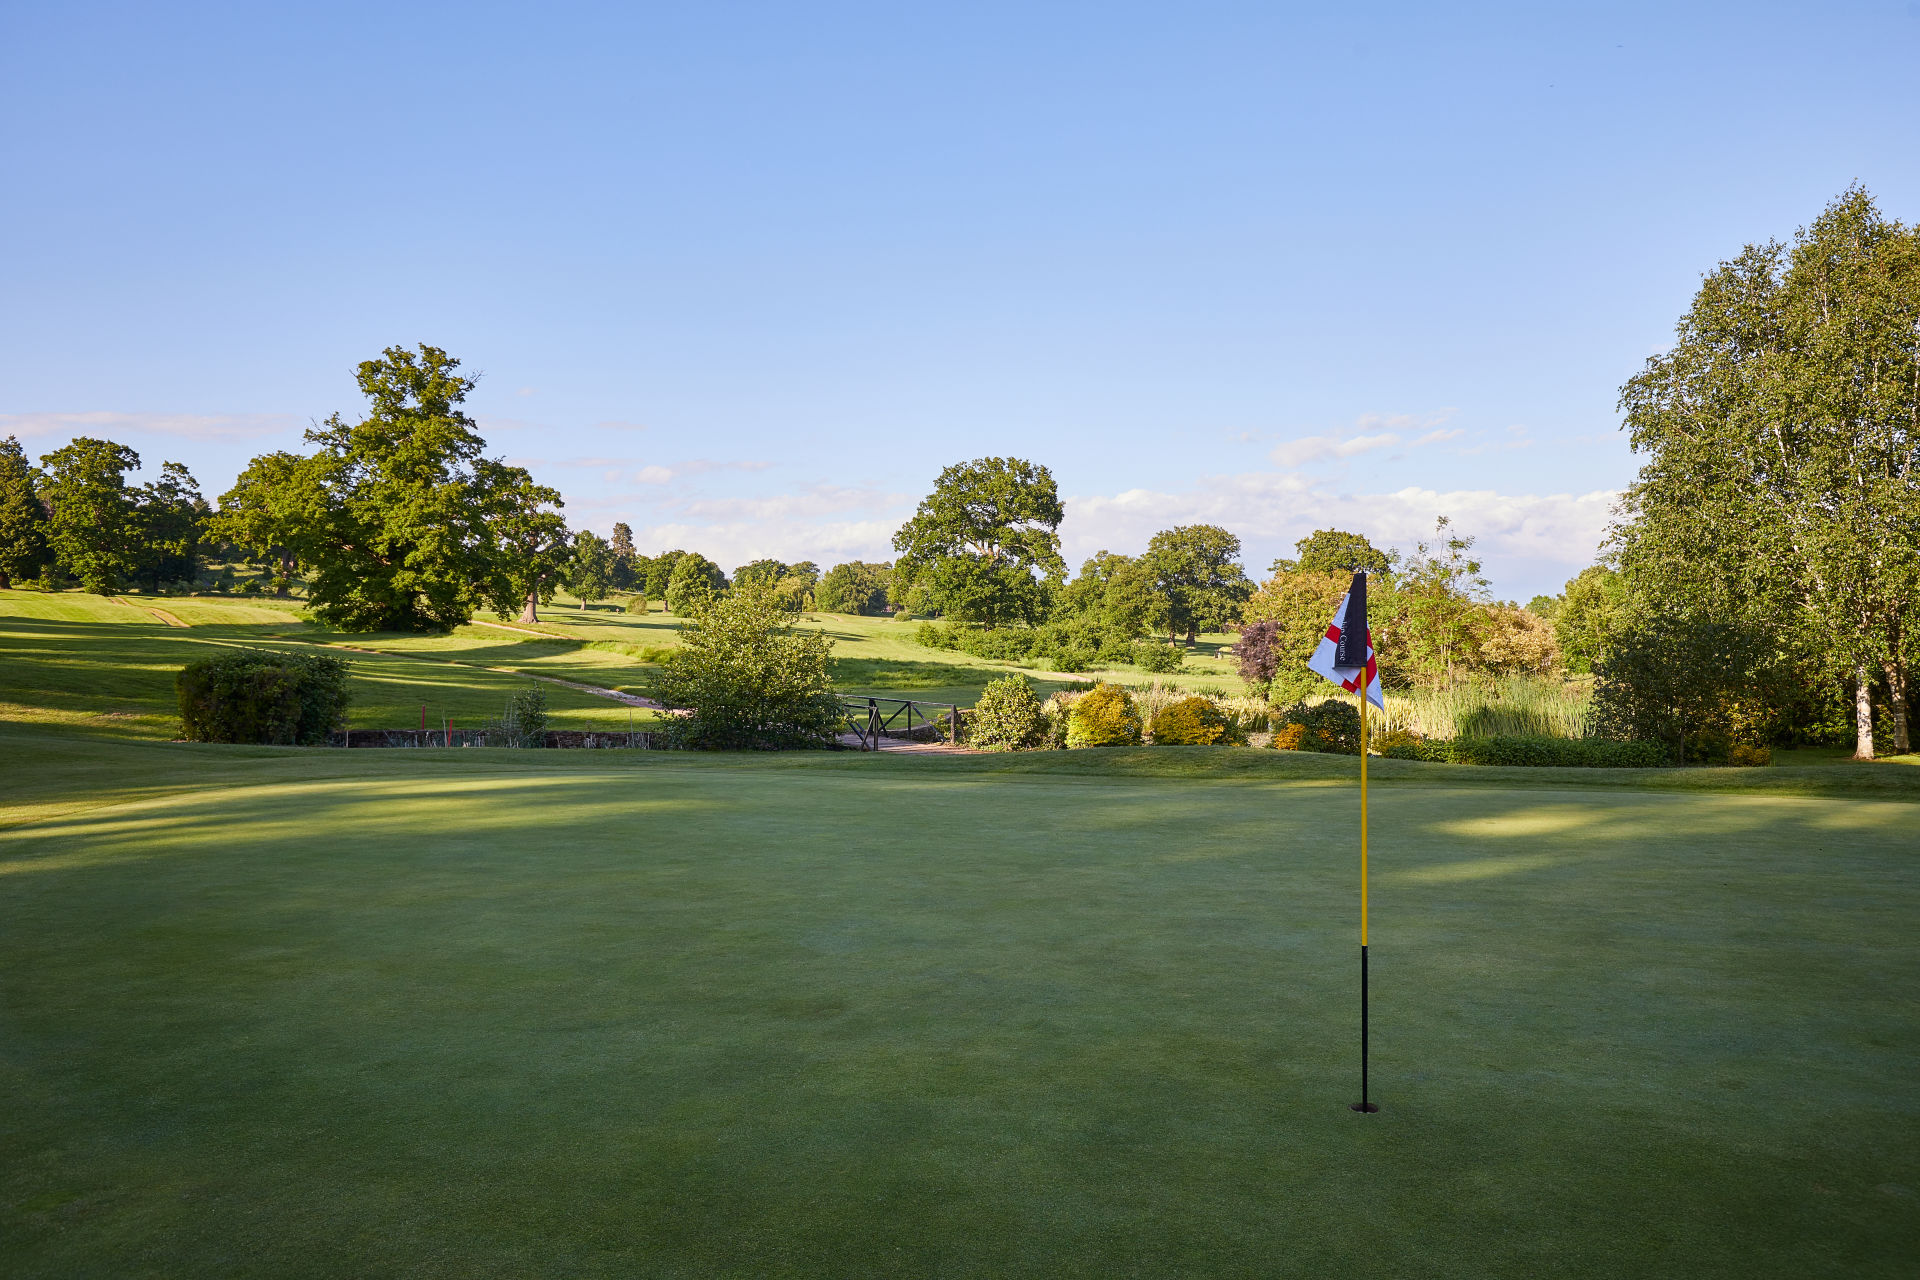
(1439, 436)
(1297, 453)
(185, 426)
(652, 475)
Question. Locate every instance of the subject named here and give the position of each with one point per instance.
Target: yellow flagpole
(1363, 808)
(1365, 1103)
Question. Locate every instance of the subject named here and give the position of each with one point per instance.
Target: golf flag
(1346, 651)
(1345, 656)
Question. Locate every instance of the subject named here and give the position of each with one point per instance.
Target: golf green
(278, 1013)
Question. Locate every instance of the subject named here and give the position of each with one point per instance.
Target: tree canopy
(747, 678)
(1194, 572)
(1781, 435)
(1335, 551)
(983, 543)
(23, 521)
(855, 587)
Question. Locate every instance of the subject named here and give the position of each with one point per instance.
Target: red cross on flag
(1347, 648)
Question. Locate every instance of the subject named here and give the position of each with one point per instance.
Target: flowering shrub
(1190, 722)
(1106, 717)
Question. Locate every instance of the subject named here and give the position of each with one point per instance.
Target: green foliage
(1191, 722)
(1440, 595)
(628, 571)
(23, 522)
(695, 580)
(1678, 679)
(92, 527)
(1530, 752)
(1337, 552)
(1780, 429)
(524, 722)
(1105, 717)
(1161, 659)
(638, 604)
(253, 695)
(660, 573)
(1331, 725)
(1590, 612)
(590, 572)
(1200, 588)
(747, 678)
(1068, 657)
(404, 521)
(977, 542)
(262, 513)
(1008, 717)
(855, 587)
(1113, 595)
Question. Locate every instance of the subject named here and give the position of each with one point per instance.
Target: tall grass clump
(1520, 706)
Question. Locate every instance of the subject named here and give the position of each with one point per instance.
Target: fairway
(345, 1014)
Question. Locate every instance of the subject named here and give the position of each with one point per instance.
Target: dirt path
(525, 631)
(161, 614)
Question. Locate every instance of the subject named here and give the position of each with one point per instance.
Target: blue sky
(748, 275)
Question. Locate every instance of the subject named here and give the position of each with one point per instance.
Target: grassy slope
(285, 1013)
(107, 664)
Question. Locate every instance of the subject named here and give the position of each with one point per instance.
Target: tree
(1591, 611)
(765, 572)
(527, 542)
(977, 542)
(263, 513)
(91, 524)
(854, 587)
(1299, 605)
(694, 579)
(1441, 594)
(660, 573)
(621, 547)
(23, 521)
(1194, 572)
(404, 521)
(590, 572)
(1113, 593)
(1259, 653)
(1781, 430)
(747, 678)
(1337, 551)
(170, 515)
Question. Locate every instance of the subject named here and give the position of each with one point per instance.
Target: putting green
(460, 1013)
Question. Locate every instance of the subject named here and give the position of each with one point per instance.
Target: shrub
(1565, 753)
(934, 636)
(1288, 737)
(1151, 655)
(254, 695)
(1007, 717)
(525, 722)
(1190, 722)
(639, 604)
(1400, 744)
(1072, 659)
(1742, 754)
(748, 679)
(1105, 717)
(1329, 726)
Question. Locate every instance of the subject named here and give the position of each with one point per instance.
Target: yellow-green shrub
(1190, 722)
(1742, 754)
(1106, 717)
(1288, 737)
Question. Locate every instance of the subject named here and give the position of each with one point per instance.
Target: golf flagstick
(1346, 657)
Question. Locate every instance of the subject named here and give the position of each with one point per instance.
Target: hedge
(1564, 753)
(256, 695)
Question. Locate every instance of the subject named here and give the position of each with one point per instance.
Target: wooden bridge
(874, 724)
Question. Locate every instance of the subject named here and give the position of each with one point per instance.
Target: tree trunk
(285, 588)
(1897, 700)
(6, 583)
(531, 613)
(1862, 712)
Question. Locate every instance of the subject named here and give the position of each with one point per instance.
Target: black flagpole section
(1363, 1104)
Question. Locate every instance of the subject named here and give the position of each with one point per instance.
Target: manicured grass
(282, 1013)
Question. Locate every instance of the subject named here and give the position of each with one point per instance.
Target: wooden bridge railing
(871, 719)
